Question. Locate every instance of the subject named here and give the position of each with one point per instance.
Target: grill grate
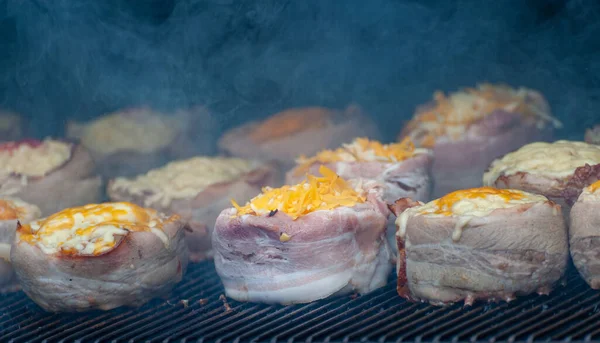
(198, 312)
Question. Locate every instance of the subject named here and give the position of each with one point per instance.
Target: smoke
(78, 59)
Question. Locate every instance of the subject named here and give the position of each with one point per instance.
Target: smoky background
(68, 59)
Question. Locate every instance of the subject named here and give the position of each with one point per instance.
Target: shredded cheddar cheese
(140, 130)
(183, 179)
(290, 122)
(91, 229)
(361, 150)
(313, 194)
(33, 158)
(468, 203)
(554, 160)
(451, 115)
(284, 237)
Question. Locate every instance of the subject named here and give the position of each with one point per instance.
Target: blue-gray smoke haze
(66, 59)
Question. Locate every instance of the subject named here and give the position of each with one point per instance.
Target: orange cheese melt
(445, 204)
(290, 122)
(361, 150)
(451, 115)
(91, 229)
(313, 194)
(594, 187)
(467, 204)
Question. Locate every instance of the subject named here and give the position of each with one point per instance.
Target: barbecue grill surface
(197, 311)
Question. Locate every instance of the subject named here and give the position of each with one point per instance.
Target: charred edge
(581, 178)
(402, 286)
(392, 209)
(225, 303)
(179, 268)
(273, 212)
(502, 181)
(401, 205)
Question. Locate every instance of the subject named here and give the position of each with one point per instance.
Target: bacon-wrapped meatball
(295, 132)
(304, 242)
(136, 140)
(99, 256)
(467, 130)
(481, 243)
(558, 170)
(51, 174)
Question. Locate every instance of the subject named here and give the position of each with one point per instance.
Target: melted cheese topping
(593, 188)
(468, 203)
(451, 116)
(478, 202)
(139, 130)
(290, 122)
(13, 208)
(92, 229)
(313, 194)
(33, 158)
(361, 150)
(184, 179)
(591, 192)
(554, 160)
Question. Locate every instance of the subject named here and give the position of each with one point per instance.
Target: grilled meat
(469, 129)
(51, 174)
(480, 243)
(316, 245)
(99, 256)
